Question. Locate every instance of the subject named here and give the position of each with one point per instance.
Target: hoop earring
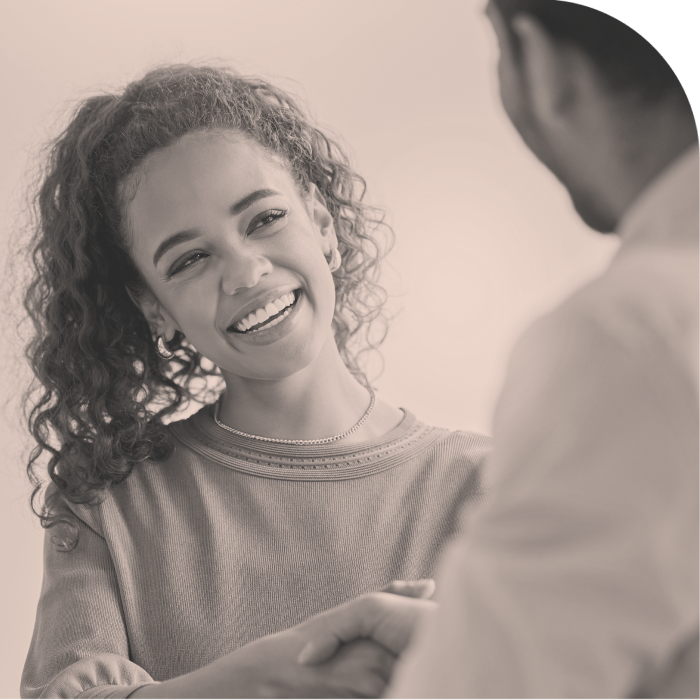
(334, 262)
(162, 349)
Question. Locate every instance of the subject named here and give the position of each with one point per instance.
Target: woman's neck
(320, 401)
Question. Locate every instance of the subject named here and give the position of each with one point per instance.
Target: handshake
(379, 616)
(348, 651)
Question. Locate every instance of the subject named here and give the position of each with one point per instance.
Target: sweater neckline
(330, 461)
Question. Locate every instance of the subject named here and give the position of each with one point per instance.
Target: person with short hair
(578, 577)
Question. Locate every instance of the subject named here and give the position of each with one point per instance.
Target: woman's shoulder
(449, 445)
(452, 468)
(467, 443)
(63, 515)
(154, 476)
(464, 456)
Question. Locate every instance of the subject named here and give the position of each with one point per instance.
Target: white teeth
(261, 315)
(279, 319)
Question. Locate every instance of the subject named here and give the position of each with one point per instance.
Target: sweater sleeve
(80, 648)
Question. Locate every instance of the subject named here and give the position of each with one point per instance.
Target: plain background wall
(486, 238)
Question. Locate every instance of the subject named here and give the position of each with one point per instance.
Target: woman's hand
(353, 647)
(389, 620)
(268, 668)
(348, 651)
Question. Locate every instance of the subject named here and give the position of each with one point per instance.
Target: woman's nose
(244, 272)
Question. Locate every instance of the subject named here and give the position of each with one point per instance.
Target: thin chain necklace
(321, 441)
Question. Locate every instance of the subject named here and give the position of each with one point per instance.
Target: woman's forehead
(198, 153)
(202, 168)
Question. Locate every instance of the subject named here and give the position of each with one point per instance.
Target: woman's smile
(235, 255)
(269, 321)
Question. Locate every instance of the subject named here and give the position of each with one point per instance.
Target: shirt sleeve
(79, 648)
(579, 575)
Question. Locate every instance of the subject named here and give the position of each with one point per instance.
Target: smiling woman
(199, 239)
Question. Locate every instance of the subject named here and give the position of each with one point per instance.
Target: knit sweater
(231, 539)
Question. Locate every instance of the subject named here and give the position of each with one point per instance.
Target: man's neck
(659, 138)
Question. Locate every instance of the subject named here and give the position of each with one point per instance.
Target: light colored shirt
(579, 576)
(231, 539)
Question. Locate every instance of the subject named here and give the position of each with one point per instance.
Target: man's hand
(422, 588)
(388, 618)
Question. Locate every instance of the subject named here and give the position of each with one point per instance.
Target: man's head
(594, 101)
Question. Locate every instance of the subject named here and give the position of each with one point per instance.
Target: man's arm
(579, 577)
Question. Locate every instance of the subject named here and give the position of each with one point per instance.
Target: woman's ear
(156, 316)
(322, 220)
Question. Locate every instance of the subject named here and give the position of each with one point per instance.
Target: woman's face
(233, 256)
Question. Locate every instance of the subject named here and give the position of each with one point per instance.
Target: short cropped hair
(626, 61)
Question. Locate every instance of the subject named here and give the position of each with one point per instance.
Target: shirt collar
(666, 212)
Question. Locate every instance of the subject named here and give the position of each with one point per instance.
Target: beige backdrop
(486, 238)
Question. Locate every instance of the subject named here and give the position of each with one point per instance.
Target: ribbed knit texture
(232, 539)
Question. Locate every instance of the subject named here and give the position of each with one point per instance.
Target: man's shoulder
(646, 303)
(636, 323)
(572, 334)
(564, 356)
(638, 305)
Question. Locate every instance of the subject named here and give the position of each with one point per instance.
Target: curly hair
(101, 392)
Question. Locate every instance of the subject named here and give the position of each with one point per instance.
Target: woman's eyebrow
(172, 241)
(251, 198)
(189, 234)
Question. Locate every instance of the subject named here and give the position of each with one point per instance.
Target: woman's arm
(268, 668)
(80, 646)
(358, 667)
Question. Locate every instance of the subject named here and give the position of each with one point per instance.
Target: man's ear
(552, 70)
(160, 321)
(322, 220)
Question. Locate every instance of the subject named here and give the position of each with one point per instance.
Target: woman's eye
(261, 221)
(265, 219)
(187, 262)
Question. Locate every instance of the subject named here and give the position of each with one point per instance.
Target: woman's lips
(268, 323)
(267, 316)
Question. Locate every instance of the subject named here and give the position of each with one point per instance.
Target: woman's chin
(278, 360)
(278, 368)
